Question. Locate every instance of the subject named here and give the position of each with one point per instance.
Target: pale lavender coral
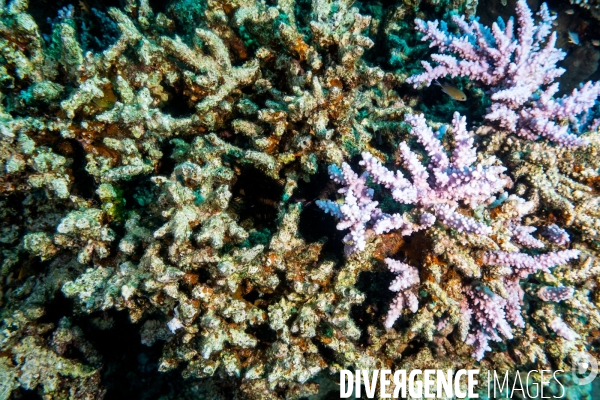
(174, 325)
(358, 208)
(488, 55)
(543, 117)
(556, 235)
(402, 300)
(480, 342)
(515, 70)
(555, 294)
(464, 154)
(492, 314)
(449, 217)
(526, 264)
(499, 312)
(407, 277)
(562, 330)
(488, 310)
(514, 300)
(442, 323)
(435, 190)
(522, 235)
(402, 223)
(454, 180)
(451, 181)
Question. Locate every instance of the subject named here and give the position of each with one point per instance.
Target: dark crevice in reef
(84, 182)
(326, 352)
(179, 105)
(302, 12)
(412, 349)
(57, 308)
(130, 190)
(376, 302)
(166, 164)
(314, 223)
(159, 5)
(44, 12)
(22, 394)
(378, 54)
(33, 267)
(331, 395)
(269, 298)
(203, 275)
(260, 195)
(263, 333)
(130, 369)
(13, 201)
(251, 296)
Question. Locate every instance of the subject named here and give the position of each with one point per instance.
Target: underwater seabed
(237, 199)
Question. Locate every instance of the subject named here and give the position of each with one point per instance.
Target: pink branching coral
(556, 294)
(557, 235)
(525, 264)
(443, 192)
(359, 207)
(492, 313)
(522, 235)
(519, 72)
(488, 311)
(407, 277)
(436, 191)
(563, 330)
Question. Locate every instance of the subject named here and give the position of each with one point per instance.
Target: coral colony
(519, 73)
(436, 192)
(169, 230)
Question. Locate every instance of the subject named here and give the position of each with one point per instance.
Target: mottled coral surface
(236, 199)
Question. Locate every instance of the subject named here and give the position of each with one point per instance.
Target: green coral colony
(162, 166)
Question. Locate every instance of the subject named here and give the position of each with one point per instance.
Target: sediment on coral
(163, 181)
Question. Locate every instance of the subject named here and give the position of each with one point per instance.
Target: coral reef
(520, 73)
(456, 183)
(164, 197)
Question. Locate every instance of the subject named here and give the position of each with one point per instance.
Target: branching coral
(551, 182)
(212, 323)
(163, 165)
(35, 355)
(434, 196)
(519, 73)
(436, 193)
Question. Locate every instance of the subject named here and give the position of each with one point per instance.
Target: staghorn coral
(454, 181)
(181, 222)
(490, 295)
(550, 183)
(211, 324)
(408, 277)
(159, 170)
(520, 73)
